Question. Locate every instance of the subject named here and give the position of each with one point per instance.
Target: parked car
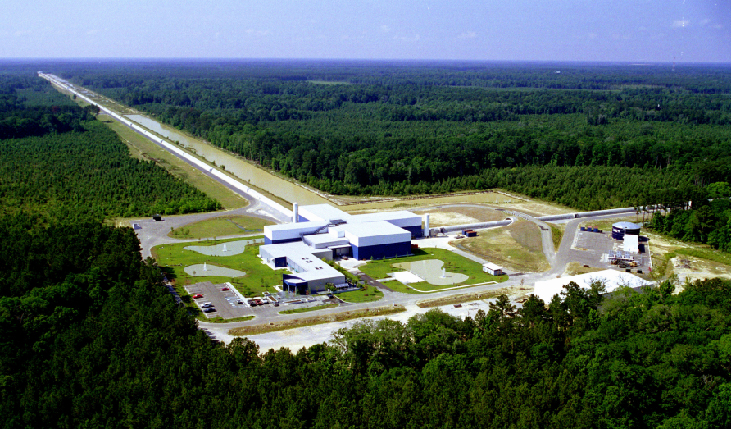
(209, 310)
(224, 288)
(207, 305)
(197, 296)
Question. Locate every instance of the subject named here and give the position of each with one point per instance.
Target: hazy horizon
(619, 31)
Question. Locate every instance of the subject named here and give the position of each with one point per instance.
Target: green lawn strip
(452, 263)
(259, 278)
(308, 309)
(368, 294)
(711, 255)
(400, 287)
(425, 287)
(219, 319)
(220, 226)
(316, 320)
(458, 299)
(556, 236)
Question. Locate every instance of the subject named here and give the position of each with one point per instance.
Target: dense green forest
(91, 338)
(55, 158)
(624, 133)
(704, 221)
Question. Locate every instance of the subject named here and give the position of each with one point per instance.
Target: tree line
(402, 129)
(56, 158)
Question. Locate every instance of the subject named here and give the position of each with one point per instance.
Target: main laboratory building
(324, 232)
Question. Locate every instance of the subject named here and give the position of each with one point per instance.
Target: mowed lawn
(452, 263)
(220, 227)
(173, 258)
(369, 294)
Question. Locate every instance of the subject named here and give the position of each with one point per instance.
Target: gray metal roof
(626, 225)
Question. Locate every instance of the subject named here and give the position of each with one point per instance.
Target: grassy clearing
(308, 309)
(459, 299)
(452, 263)
(463, 216)
(606, 225)
(220, 226)
(143, 148)
(492, 198)
(556, 235)
(708, 254)
(575, 268)
(316, 320)
(517, 247)
(368, 294)
(259, 278)
(477, 197)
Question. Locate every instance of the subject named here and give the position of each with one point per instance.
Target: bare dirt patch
(690, 268)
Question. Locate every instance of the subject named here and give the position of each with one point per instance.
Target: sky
(487, 30)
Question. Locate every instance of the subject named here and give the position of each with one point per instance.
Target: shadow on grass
(169, 272)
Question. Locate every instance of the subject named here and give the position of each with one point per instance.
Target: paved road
(154, 233)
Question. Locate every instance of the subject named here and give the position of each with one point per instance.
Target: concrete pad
(406, 277)
(431, 271)
(231, 248)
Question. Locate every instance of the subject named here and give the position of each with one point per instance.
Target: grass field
(458, 299)
(463, 216)
(496, 199)
(143, 148)
(220, 226)
(316, 320)
(259, 278)
(517, 247)
(556, 235)
(575, 268)
(452, 263)
(219, 319)
(368, 294)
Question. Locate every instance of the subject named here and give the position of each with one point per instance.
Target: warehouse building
(325, 232)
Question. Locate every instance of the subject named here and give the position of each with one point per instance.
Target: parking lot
(595, 249)
(227, 303)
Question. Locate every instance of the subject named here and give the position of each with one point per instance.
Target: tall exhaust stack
(426, 225)
(295, 215)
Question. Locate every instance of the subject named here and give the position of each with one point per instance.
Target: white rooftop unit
(493, 269)
(631, 243)
(373, 233)
(400, 218)
(323, 213)
(322, 241)
(291, 231)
